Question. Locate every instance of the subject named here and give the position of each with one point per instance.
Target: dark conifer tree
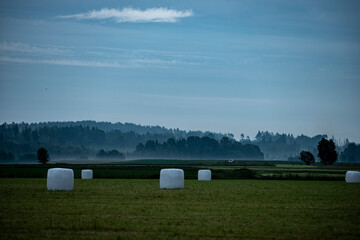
(43, 155)
(327, 152)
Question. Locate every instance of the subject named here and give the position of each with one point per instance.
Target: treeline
(286, 146)
(112, 154)
(67, 140)
(351, 153)
(127, 127)
(75, 136)
(196, 147)
(84, 139)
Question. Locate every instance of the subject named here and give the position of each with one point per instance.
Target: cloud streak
(18, 52)
(26, 48)
(132, 15)
(65, 62)
(137, 63)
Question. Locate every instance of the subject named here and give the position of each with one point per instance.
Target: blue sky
(223, 66)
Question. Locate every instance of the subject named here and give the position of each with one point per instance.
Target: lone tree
(327, 152)
(43, 155)
(307, 157)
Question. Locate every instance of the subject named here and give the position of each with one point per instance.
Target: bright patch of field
(300, 171)
(220, 209)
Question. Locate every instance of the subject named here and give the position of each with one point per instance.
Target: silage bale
(204, 175)
(87, 174)
(60, 179)
(352, 177)
(172, 178)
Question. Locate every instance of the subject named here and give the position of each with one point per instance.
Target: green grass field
(220, 209)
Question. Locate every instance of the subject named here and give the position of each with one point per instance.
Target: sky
(222, 66)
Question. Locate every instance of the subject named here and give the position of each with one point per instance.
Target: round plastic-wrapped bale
(204, 175)
(60, 179)
(172, 178)
(352, 177)
(87, 174)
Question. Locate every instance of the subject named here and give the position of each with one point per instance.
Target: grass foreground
(219, 209)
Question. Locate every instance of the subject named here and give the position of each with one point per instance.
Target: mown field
(219, 209)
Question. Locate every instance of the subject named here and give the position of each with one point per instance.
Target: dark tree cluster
(196, 147)
(71, 139)
(327, 152)
(351, 153)
(130, 127)
(285, 146)
(307, 157)
(112, 154)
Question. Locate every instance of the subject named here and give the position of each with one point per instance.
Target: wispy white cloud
(27, 48)
(133, 15)
(66, 62)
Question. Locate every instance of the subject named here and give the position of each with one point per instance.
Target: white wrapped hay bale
(352, 177)
(87, 174)
(60, 179)
(204, 175)
(172, 178)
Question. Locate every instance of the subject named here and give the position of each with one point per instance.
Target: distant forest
(196, 147)
(89, 140)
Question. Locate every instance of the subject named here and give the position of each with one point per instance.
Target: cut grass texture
(220, 209)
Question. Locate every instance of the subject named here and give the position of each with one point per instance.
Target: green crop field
(219, 209)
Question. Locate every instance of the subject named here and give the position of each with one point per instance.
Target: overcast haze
(223, 66)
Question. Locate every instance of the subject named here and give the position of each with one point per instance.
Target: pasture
(220, 209)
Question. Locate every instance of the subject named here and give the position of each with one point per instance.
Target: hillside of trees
(196, 147)
(351, 153)
(127, 127)
(286, 146)
(72, 140)
(84, 139)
